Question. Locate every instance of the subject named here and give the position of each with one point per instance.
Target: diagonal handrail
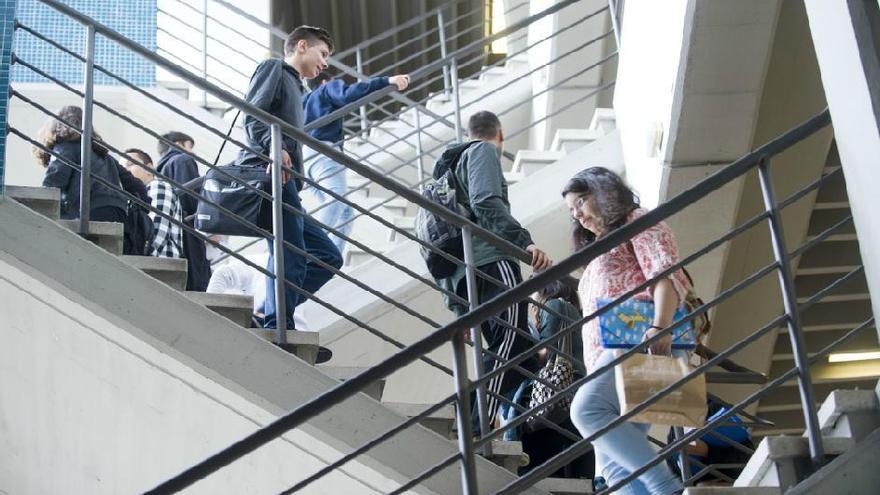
(429, 343)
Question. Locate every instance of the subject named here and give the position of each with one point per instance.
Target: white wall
(648, 68)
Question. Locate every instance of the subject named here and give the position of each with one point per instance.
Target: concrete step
(171, 271)
(513, 177)
(237, 307)
(305, 344)
(850, 414)
(783, 461)
(107, 235)
(604, 120)
(508, 455)
(471, 84)
(343, 373)
(179, 88)
(43, 200)
(403, 223)
(493, 74)
(853, 473)
(441, 421)
(731, 490)
(569, 140)
(355, 256)
(528, 162)
(565, 486)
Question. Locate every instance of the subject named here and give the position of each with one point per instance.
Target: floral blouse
(624, 268)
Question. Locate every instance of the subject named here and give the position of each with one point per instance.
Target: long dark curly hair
(610, 197)
(65, 128)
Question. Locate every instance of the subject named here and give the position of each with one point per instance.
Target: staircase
(828, 320)
(198, 337)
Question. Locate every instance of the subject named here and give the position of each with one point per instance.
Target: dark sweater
(61, 175)
(334, 95)
(276, 88)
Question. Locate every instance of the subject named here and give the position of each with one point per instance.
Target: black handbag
(232, 194)
(558, 373)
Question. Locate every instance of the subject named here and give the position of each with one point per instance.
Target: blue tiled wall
(135, 19)
(7, 14)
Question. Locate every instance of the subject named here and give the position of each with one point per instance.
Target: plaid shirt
(167, 237)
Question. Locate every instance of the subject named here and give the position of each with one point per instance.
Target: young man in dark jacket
(484, 189)
(276, 87)
(328, 95)
(177, 163)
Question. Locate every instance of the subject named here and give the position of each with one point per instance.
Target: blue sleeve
(58, 173)
(183, 169)
(338, 94)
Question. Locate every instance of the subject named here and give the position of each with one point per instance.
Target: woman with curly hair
(61, 158)
(599, 203)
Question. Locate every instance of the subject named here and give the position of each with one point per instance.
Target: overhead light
(846, 357)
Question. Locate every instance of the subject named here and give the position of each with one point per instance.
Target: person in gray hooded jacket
(481, 180)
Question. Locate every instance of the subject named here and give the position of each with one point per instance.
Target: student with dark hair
(328, 95)
(483, 190)
(166, 237)
(600, 202)
(177, 163)
(276, 87)
(62, 137)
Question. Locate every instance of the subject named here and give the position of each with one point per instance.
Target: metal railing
(89, 102)
(454, 332)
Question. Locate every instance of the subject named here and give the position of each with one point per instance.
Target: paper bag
(642, 376)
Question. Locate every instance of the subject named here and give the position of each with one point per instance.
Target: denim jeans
(624, 448)
(305, 274)
(332, 212)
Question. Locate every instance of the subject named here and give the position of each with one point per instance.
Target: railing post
(795, 334)
(85, 186)
(683, 461)
(420, 171)
(476, 336)
(441, 30)
(359, 65)
(456, 102)
(614, 13)
(205, 49)
(278, 232)
(463, 416)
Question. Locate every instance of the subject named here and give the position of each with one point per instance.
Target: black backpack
(432, 229)
(138, 231)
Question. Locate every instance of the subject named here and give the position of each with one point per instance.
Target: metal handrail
(427, 344)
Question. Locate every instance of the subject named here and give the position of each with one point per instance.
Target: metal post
(278, 232)
(441, 30)
(359, 63)
(463, 416)
(684, 463)
(205, 49)
(476, 337)
(808, 398)
(420, 171)
(456, 102)
(85, 185)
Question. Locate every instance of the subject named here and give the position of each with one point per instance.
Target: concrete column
(845, 36)
(7, 20)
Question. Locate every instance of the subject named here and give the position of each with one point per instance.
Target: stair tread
(841, 402)
(156, 263)
(409, 410)
(33, 193)
(238, 301)
(566, 486)
(109, 229)
(295, 337)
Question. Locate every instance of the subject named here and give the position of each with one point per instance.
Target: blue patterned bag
(625, 325)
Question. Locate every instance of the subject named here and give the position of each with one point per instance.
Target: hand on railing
(400, 80)
(540, 260)
(285, 169)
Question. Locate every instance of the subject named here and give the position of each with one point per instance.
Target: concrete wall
(87, 408)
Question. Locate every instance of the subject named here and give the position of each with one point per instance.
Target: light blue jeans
(332, 176)
(624, 448)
